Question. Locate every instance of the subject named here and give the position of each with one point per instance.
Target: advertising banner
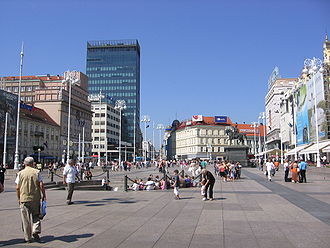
(220, 119)
(305, 111)
(197, 118)
(321, 107)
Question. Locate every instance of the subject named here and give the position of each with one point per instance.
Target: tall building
(105, 130)
(51, 94)
(113, 67)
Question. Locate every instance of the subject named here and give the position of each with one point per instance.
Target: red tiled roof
(37, 114)
(42, 78)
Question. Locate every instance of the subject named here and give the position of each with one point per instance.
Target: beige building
(51, 93)
(205, 139)
(38, 131)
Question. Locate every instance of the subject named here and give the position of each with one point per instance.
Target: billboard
(320, 107)
(197, 118)
(8, 104)
(305, 111)
(220, 119)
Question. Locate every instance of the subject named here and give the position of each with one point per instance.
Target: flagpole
(18, 108)
(134, 136)
(5, 142)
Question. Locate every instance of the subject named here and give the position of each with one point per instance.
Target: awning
(313, 148)
(296, 150)
(326, 149)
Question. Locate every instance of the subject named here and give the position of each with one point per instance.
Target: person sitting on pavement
(150, 184)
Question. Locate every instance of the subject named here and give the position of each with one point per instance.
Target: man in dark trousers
(210, 180)
(2, 177)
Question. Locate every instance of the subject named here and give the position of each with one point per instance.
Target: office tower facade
(113, 67)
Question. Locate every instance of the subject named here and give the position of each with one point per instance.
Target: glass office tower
(114, 67)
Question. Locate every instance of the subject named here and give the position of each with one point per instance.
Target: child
(176, 184)
(203, 187)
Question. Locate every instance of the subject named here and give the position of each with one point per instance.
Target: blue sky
(197, 57)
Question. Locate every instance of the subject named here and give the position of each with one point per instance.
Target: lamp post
(263, 117)
(145, 119)
(39, 150)
(134, 134)
(5, 142)
(16, 161)
(254, 125)
(99, 97)
(71, 77)
(281, 138)
(160, 127)
(83, 146)
(120, 105)
(313, 66)
(153, 141)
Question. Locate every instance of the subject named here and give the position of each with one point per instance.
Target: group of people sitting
(152, 183)
(156, 183)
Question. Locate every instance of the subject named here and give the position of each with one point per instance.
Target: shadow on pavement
(49, 238)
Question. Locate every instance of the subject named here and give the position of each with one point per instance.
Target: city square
(129, 123)
(249, 212)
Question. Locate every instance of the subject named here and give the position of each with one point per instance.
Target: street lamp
(16, 161)
(5, 142)
(312, 66)
(145, 119)
(209, 150)
(71, 77)
(254, 125)
(39, 150)
(160, 127)
(263, 117)
(120, 105)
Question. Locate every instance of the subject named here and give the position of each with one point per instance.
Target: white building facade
(105, 130)
(201, 141)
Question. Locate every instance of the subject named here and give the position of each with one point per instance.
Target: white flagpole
(18, 108)
(5, 142)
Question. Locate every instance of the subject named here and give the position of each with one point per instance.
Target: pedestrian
(209, 184)
(294, 172)
(286, 171)
(2, 175)
(69, 178)
(269, 169)
(29, 188)
(302, 171)
(176, 185)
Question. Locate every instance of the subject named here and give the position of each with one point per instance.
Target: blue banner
(220, 119)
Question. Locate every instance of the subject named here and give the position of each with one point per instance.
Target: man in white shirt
(269, 167)
(69, 178)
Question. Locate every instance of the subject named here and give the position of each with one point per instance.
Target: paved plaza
(250, 212)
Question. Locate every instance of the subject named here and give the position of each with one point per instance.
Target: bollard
(125, 183)
(81, 174)
(108, 174)
(52, 176)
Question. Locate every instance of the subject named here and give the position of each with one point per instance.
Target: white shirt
(70, 172)
(269, 165)
(150, 185)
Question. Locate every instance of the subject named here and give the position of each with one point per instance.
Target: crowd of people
(294, 171)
